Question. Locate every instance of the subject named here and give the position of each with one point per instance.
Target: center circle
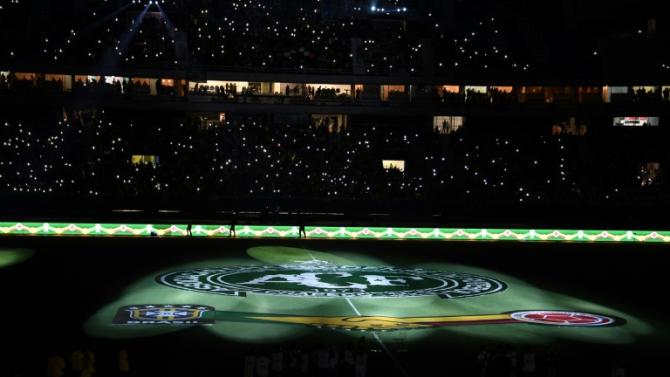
(330, 281)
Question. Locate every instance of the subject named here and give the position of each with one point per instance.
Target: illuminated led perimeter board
(334, 232)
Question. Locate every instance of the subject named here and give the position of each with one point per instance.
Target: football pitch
(184, 304)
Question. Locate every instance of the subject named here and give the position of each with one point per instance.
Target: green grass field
(404, 297)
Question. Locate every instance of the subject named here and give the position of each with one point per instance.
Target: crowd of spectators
(318, 360)
(88, 153)
(249, 34)
(238, 35)
(389, 48)
(294, 359)
(450, 95)
(482, 48)
(417, 37)
(655, 95)
(82, 362)
(505, 360)
(359, 358)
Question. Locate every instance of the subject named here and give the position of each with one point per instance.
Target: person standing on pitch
(188, 230)
(301, 227)
(231, 229)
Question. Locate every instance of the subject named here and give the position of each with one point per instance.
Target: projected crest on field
(331, 281)
(277, 293)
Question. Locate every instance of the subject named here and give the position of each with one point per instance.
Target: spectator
(124, 363)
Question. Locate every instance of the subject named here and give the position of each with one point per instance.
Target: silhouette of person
(124, 364)
(231, 230)
(301, 227)
(188, 230)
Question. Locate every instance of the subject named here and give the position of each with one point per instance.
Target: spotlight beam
(96, 24)
(169, 25)
(168, 22)
(112, 57)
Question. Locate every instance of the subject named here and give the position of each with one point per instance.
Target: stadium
(333, 188)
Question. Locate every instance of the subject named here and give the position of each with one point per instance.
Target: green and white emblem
(325, 280)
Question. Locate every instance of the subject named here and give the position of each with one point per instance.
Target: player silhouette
(301, 227)
(231, 229)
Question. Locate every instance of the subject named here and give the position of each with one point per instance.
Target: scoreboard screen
(635, 121)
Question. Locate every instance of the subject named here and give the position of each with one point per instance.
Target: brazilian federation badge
(161, 314)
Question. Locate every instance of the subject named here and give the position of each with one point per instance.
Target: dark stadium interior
(510, 114)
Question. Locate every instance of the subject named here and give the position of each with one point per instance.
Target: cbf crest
(164, 314)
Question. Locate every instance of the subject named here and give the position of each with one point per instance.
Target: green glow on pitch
(518, 296)
(331, 232)
(280, 255)
(523, 296)
(9, 257)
